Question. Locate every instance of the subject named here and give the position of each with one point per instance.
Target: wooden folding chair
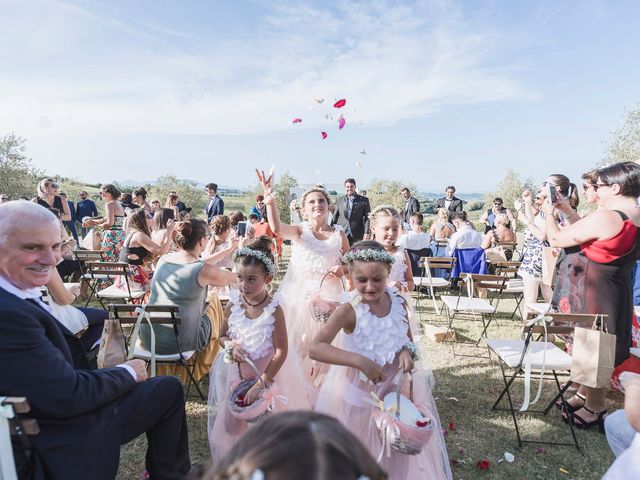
(514, 286)
(127, 314)
(475, 307)
(513, 246)
(112, 270)
(440, 245)
(427, 280)
(84, 256)
(539, 357)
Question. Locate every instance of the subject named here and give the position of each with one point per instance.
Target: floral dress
(113, 239)
(531, 267)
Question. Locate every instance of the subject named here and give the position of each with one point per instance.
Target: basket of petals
(323, 303)
(261, 407)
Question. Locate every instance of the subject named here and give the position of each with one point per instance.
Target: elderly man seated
(84, 415)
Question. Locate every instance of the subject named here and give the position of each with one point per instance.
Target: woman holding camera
(535, 238)
(595, 277)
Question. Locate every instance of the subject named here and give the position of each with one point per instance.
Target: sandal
(582, 424)
(572, 408)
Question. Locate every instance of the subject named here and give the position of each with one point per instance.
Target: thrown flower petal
(296, 120)
(483, 465)
(340, 103)
(319, 99)
(509, 457)
(452, 425)
(324, 135)
(341, 123)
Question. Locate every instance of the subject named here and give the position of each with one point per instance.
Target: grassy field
(465, 390)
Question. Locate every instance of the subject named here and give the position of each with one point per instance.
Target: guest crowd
(327, 346)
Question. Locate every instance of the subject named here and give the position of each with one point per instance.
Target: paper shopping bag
(593, 356)
(112, 351)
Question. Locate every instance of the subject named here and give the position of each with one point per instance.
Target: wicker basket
(324, 303)
(408, 439)
(258, 409)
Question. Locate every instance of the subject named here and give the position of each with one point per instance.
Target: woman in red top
(595, 276)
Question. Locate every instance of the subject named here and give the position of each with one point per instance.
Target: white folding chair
(113, 270)
(92, 280)
(159, 315)
(531, 359)
(427, 280)
(472, 306)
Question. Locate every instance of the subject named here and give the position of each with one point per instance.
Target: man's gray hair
(20, 211)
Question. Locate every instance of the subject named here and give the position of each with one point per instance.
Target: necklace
(266, 295)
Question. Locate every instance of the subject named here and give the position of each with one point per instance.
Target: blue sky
(437, 92)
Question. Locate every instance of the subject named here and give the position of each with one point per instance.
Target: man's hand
(140, 367)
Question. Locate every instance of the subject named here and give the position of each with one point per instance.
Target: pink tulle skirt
(347, 397)
(224, 428)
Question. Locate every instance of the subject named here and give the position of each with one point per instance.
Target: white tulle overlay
(310, 260)
(255, 336)
(346, 394)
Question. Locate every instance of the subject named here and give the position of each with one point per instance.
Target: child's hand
(371, 369)
(238, 354)
(253, 393)
(405, 360)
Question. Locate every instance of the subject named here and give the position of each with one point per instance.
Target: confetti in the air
(358, 163)
(324, 135)
(363, 152)
(341, 123)
(319, 99)
(340, 103)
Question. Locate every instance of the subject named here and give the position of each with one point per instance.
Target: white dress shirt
(464, 237)
(414, 240)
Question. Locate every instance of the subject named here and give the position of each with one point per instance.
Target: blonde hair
(443, 214)
(383, 211)
(501, 218)
(316, 189)
(42, 192)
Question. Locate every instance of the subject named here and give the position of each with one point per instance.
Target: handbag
(112, 348)
(593, 355)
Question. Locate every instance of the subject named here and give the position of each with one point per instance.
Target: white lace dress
(255, 336)
(310, 260)
(346, 392)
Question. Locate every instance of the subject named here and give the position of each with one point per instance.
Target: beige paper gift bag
(593, 355)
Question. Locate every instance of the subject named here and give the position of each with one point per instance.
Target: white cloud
(94, 72)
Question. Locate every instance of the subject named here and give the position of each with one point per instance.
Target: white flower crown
(379, 208)
(250, 252)
(368, 255)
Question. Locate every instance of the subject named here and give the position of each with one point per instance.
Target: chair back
(508, 245)
(561, 323)
(507, 269)
(89, 255)
(494, 283)
(443, 263)
(469, 260)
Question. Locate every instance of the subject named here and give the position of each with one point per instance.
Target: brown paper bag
(112, 351)
(593, 355)
(549, 259)
(438, 334)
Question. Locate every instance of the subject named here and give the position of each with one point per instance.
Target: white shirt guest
(465, 236)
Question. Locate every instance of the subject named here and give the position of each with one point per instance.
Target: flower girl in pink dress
(317, 249)
(369, 343)
(253, 333)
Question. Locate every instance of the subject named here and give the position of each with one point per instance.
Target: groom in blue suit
(84, 415)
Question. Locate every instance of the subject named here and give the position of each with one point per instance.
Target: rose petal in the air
(340, 103)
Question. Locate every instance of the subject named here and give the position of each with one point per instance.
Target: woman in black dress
(595, 276)
(48, 198)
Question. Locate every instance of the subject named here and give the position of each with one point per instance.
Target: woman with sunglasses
(48, 197)
(535, 237)
(498, 208)
(595, 277)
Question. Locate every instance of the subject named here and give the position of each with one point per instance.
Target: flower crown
(368, 255)
(257, 254)
(379, 208)
(315, 188)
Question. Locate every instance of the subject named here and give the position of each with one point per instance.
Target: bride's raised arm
(283, 230)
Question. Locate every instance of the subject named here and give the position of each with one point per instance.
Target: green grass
(466, 387)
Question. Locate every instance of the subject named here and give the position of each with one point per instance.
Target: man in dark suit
(352, 213)
(450, 201)
(411, 205)
(215, 205)
(84, 415)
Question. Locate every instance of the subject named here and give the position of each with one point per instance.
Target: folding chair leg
(507, 386)
(192, 378)
(513, 412)
(518, 308)
(565, 407)
(435, 304)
